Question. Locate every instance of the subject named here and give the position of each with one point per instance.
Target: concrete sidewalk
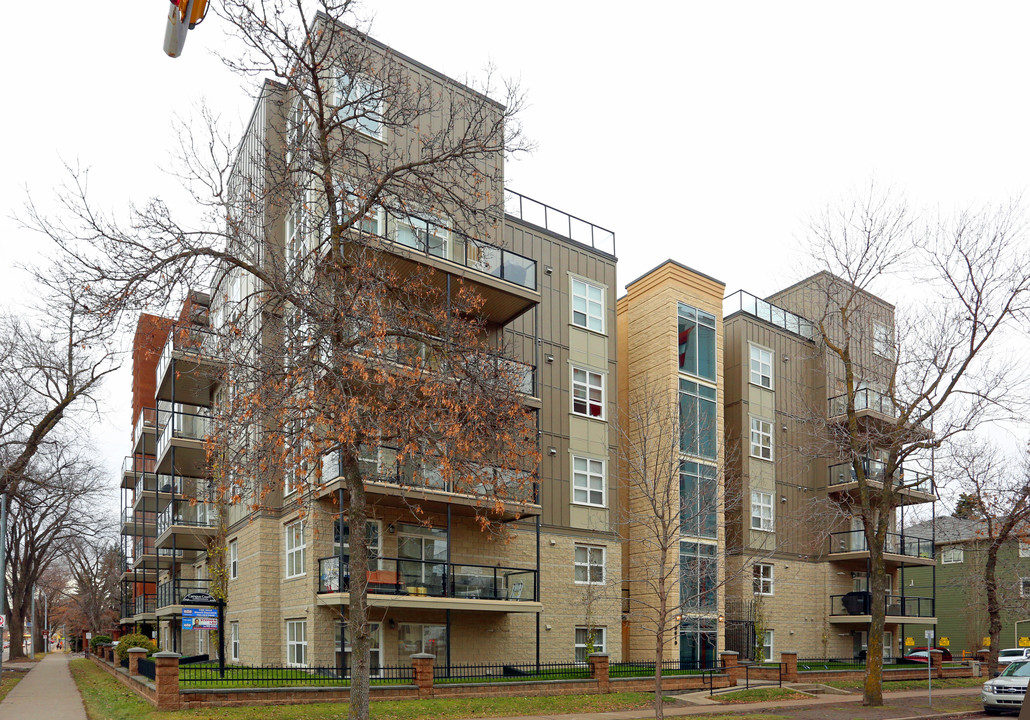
(48, 691)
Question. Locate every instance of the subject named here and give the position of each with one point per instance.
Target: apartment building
(670, 338)
(437, 583)
(798, 562)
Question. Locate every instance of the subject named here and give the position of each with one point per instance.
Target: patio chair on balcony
(856, 603)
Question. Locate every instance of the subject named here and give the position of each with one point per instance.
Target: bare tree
(91, 597)
(908, 381)
(330, 347)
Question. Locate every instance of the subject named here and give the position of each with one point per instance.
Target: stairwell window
(761, 367)
(761, 439)
(588, 481)
(589, 564)
(762, 517)
(361, 105)
(234, 560)
(588, 393)
(587, 305)
(295, 549)
(297, 642)
(763, 581)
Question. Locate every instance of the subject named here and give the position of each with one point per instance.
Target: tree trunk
(17, 634)
(873, 690)
(993, 608)
(659, 652)
(357, 626)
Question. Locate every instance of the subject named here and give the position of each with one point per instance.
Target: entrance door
(423, 553)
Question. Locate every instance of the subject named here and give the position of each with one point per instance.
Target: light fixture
(392, 623)
(722, 618)
(548, 269)
(390, 528)
(783, 498)
(547, 627)
(553, 541)
(552, 450)
(549, 358)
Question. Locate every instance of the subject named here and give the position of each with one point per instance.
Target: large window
(372, 541)
(761, 366)
(588, 393)
(234, 641)
(234, 560)
(297, 642)
(696, 342)
(588, 640)
(698, 420)
(295, 549)
(952, 556)
(761, 439)
(588, 481)
(343, 649)
(698, 498)
(361, 105)
(762, 511)
(763, 579)
(698, 576)
(587, 305)
(883, 340)
(589, 564)
(430, 639)
(1024, 548)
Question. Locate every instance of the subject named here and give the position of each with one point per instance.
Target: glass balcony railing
(858, 603)
(874, 470)
(187, 513)
(403, 576)
(145, 604)
(558, 222)
(745, 302)
(129, 516)
(188, 341)
(189, 422)
(896, 544)
(138, 463)
(171, 592)
(865, 399)
(147, 420)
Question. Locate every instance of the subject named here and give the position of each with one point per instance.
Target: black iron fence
(206, 674)
(851, 663)
(146, 668)
(511, 672)
(124, 662)
(753, 672)
(669, 667)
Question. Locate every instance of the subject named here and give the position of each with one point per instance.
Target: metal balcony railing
(875, 470)
(188, 341)
(559, 222)
(147, 419)
(171, 592)
(188, 513)
(189, 422)
(897, 544)
(145, 604)
(858, 603)
(403, 576)
(138, 463)
(865, 399)
(745, 302)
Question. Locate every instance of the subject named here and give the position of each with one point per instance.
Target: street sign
(928, 634)
(1024, 642)
(910, 642)
(3, 621)
(200, 612)
(89, 636)
(987, 642)
(944, 642)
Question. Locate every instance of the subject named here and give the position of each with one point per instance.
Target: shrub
(97, 640)
(135, 640)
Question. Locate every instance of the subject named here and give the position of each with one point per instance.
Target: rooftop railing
(745, 302)
(896, 544)
(875, 470)
(558, 222)
(865, 399)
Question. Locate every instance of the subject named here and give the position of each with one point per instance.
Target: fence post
(166, 680)
(729, 664)
(422, 664)
(789, 662)
(599, 671)
(109, 652)
(936, 656)
(134, 655)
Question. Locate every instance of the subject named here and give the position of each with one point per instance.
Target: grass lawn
(107, 699)
(10, 680)
(759, 695)
(910, 684)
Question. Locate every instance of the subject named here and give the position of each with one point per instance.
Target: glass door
(423, 557)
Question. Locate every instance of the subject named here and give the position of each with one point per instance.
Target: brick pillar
(731, 667)
(790, 666)
(109, 653)
(134, 655)
(935, 663)
(599, 671)
(166, 680)
(422, 664)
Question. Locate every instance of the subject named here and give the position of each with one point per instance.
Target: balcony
(197, 366)
(410, 583)
(155, 491)
(145, 605)
(854, 607)
(898, 548)
(137, 522)
(185, 429)
(148, 555)
(146, 424)
(747, 303)
(397, 483)
(186, 524)
(914, 487)
(171, 593)
(132, 465)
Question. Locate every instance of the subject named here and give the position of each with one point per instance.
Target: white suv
(1012, 654)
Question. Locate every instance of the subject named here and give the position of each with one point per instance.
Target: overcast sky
(703, 132)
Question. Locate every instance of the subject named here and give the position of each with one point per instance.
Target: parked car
(919, 654)
(1012, 654)
(1006, 692)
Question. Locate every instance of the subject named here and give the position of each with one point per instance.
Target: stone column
(599, 671)
(936, 657)
(134, 655)
(422, 664)
(166, 680)
(731, 667)
(789, 660)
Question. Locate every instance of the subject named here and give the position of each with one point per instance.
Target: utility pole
(3, 568)
(46, 622)
(32, 624)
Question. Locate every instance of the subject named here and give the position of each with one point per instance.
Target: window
(234, 560)
(589, 564)
(763, 578)
(761, 439)
(762, 511)
(372, 541)
(698, 577)
(883, 340)
(588, 393)
(589, 640)
(295, 549)
(952, 556)
(588, 481)
(587, 305)
(371, 222)
(296, 642)
(761, 366)
(767, 646)
(697, 499)
(343, 648)
(698, 420)
(234, 641)
(426, 235)
(1024, 587)
(696, 342)
(361, 105)
(430, 639)
(1024, 548)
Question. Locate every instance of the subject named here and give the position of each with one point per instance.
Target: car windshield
(1017, 669)
(1010, 653)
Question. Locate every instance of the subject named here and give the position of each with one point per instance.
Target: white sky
(704, 132)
